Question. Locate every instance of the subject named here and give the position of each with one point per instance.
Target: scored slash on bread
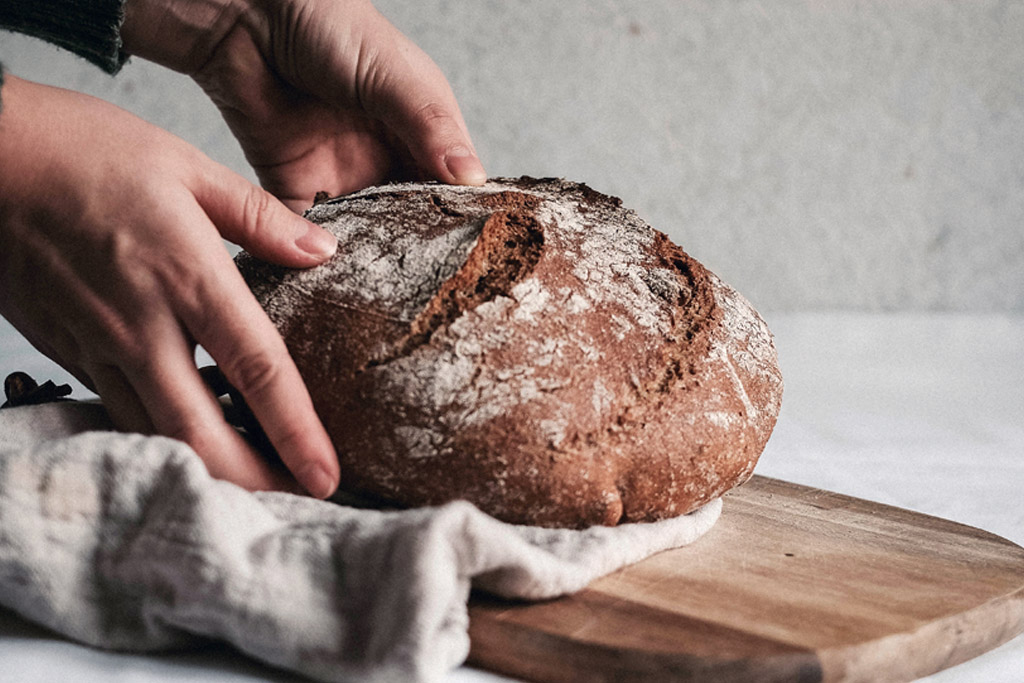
(530, 346)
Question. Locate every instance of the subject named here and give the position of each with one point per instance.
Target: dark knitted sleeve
(89, 28)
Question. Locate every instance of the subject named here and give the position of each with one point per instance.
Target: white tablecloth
(924, 412)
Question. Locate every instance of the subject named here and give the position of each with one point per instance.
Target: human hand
(111, 263)
(323, 95)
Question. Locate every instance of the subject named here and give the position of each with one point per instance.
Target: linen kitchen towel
(124, 541)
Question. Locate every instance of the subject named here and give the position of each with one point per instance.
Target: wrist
(29, 133)
(22, 153)
(179, 35)
(11, 135)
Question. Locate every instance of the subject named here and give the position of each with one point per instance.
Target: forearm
(89, 28)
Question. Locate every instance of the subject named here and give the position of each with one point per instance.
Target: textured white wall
(863, 155)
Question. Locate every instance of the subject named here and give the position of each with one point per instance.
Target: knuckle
(253, 374)
(129, 346)
(432, 114)
(257, 212)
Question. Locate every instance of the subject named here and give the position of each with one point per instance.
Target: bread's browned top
(529, 345)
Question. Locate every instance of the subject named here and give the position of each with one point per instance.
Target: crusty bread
(528, 345)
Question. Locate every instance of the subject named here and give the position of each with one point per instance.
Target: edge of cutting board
(793, 584)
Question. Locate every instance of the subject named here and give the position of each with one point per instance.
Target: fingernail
(317, 242)
(317, 481)
(465, 167)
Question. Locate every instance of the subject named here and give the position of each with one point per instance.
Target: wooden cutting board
(792, 584)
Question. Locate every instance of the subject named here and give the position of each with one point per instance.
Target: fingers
(204, 299)
(228, 322)
(122, 403)
(213, 304)
(166, 389)
(435, 135)
(140, 274)
(413, 98)
(161, 391)
(252, 218)
(399, 84)
(255, 361)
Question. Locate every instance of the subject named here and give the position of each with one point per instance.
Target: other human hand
(323, 95)
(112, 264)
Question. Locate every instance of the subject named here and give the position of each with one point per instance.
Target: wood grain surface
(792, 584)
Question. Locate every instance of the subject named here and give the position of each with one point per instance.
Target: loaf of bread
(530, 346)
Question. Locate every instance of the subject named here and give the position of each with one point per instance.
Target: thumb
(254, 219)
(414, 100)
(398, 84)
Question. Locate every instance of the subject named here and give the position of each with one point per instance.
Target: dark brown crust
(530, 346)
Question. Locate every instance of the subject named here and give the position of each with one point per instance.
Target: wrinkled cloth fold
(124, 541)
